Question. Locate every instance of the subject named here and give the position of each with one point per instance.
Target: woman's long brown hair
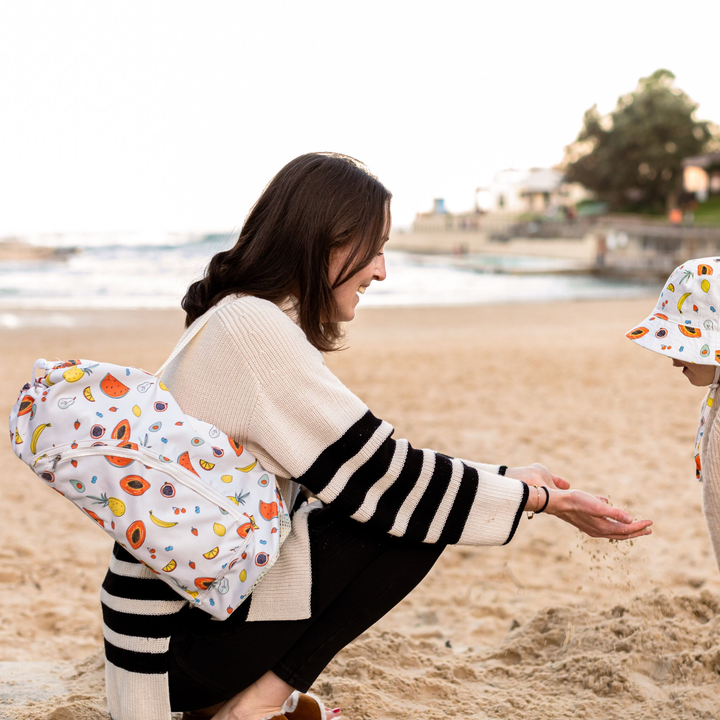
(317, 203)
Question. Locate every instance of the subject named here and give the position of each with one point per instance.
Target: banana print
(161, 523)
(39, 430)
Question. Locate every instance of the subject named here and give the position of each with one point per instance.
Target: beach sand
(554, 625)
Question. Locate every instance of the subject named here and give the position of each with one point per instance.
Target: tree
(632, 158)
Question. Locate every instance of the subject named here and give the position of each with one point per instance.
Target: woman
(312, 242)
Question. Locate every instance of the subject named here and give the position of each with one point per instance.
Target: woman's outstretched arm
(328, 440)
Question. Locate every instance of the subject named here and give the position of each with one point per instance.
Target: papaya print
(637, 333)
(25, 405)
(690, 331)
(136, 534)
(134, 485)
(137, 477)
(121, 431)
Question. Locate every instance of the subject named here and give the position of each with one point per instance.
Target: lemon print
(705, 285)
(226, 478)
(210, 554)
(205, 465)
(162, 386)
(219, 529)
(170, 566)
(192, 593)
(243, 575)
(137, 412)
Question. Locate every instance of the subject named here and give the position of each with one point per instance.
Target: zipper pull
(55, 461)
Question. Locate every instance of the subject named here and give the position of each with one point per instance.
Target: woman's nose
(380, 272)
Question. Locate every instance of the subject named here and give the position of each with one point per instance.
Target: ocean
(118, 272)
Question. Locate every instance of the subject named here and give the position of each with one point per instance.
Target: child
(685, 326)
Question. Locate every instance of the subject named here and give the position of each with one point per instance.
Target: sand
(554, 625)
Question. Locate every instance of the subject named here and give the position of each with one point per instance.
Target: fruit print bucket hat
(685, 325)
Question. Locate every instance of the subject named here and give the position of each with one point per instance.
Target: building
(536, 191)
(701, 175)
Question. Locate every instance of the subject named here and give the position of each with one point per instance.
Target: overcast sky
(172, 116)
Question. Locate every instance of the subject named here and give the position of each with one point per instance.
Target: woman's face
(346, 295)
(698, 375)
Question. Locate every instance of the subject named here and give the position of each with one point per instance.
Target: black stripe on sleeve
(317, 477)
(352, 496)
(146, 663)
(424, 513)
(152, 626)
(458, 515)
(390, 503)
(138, 588)
(519, 513)
(120, 553)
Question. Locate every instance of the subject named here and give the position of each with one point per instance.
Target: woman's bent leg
(358, 576)
(397, 568)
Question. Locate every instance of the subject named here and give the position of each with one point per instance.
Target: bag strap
(188, 335)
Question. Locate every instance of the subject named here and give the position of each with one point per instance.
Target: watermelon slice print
(184, 461)
(113, 388)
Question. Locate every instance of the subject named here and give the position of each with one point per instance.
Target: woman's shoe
(303, 706)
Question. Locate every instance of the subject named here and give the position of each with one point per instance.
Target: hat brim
(681, 342)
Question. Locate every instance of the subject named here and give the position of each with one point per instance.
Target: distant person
(685, 327)
(310, 247)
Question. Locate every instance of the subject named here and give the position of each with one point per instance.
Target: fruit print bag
(181, 496)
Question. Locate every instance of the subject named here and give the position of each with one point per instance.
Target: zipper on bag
(183, 476)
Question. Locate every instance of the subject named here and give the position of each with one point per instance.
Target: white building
(538, 190)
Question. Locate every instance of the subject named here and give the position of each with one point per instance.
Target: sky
(172, 116)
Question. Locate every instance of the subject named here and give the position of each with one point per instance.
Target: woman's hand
(537, 475)
(586, 512)
(594, 516)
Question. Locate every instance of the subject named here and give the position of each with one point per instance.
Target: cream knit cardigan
(710, 462)
(252, 373)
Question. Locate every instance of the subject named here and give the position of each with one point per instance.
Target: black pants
(358, 575)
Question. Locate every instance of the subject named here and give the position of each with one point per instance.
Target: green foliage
(708, 213)
(632, 157)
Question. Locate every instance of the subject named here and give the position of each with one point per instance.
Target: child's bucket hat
(685, 325)
(686, 321)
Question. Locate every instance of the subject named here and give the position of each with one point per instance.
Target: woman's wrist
(535, 499)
